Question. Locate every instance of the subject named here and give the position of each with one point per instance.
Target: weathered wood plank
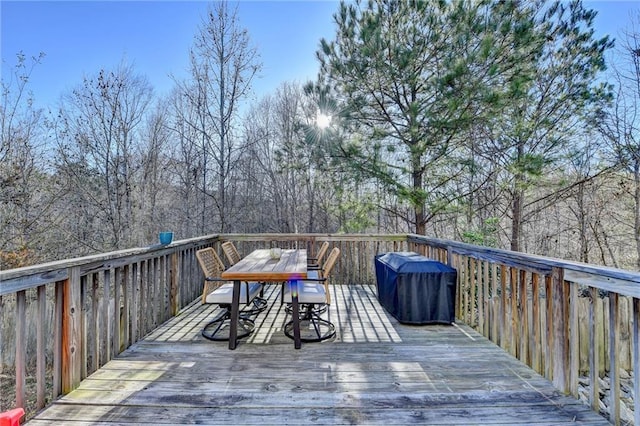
(635, 309)
(71, 332)
(40, 346)
(94, 324)
(21, 352)
(440, 415)
(254, 266)
(560, 331)
(57, 338)
(536, 344)
(515, 314)
(614, 372)
(174, 284)
(574, 340)
(84, 332)
(594, 352)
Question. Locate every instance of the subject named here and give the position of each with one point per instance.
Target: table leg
(235, 308)
(296, 314)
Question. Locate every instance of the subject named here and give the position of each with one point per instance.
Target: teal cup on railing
(165, 237)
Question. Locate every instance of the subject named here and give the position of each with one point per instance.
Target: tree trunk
(516, 221)
(418, 199)
(636, 223)
(582, 223)
(518, 201)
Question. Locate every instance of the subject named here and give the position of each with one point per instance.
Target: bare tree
(24, 199)
(277, 161)
(223, 65)
(101, 123)
(155, 177)
(621, 123)
(300, 190)
(186, 166)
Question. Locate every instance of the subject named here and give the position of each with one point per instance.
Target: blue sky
(81, 37)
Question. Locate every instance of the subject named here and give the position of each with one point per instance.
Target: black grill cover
(416, 289)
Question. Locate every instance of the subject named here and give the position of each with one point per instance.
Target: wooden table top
(259, 266)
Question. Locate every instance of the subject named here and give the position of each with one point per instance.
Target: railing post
(126, 307)
(513, 287)
(503, 307)
(117, 334)
(40, 346)
(495, 305)
(614, 372)
(83, 327)
(560, 298)
(524, 326)
(71, 329)
(57, 339)
(536, 345)
(106, 318)
(21, 348)
(594, 355)
(549, 330)
(174, 280)
(636, 358)
(574, 340)
(486, 300)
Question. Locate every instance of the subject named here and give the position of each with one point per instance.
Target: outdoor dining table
(260, 266)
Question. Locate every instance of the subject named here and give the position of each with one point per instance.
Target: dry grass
(8, 388)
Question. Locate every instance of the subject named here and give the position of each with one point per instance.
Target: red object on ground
(11, 417)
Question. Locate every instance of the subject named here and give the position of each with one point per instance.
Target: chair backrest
(212, 267)
(231, 253)
(326, 270)
(322, 251)
(330, 262)
(210, 262)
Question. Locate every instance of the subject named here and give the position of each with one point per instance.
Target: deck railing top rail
(623, 282)
(18, 279)
(24, 278)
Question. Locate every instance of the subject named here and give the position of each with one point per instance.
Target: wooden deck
(376, 371)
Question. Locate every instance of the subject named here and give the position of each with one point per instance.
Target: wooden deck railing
(564, 319)
(61, 321)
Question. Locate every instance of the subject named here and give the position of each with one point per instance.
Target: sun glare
(323, 120)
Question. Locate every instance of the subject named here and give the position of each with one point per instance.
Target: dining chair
(220, 292)
(318, 274)
(315, 262)
(233, 256)
(327, 266)
(231, 252)
(313, 299)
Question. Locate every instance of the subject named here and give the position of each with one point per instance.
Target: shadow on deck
(376, 371)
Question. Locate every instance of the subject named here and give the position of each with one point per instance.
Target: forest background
(504, 124)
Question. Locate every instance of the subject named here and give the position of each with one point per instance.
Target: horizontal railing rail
(574, 323)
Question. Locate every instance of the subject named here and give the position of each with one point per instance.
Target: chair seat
(223, 295)
(308, 292)
(313, 274)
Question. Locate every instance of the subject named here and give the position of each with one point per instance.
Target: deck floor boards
(376, 371)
